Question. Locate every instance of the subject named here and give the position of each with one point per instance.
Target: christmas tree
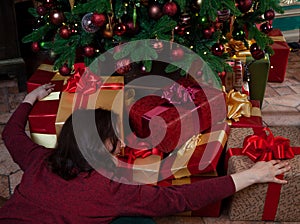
(81, 30)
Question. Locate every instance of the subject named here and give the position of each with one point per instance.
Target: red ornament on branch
(35, 47)
(120, 29)
(123, 66)
(41, 10)
(269, 14)
(56, 17)
(244, 5)
(155, 10)
(256, 52)
(170, 8)
(266, 27)
(89, 51)
(98, 19)
(65, 32)
(177, 54)
(65, 70)
(217, 49)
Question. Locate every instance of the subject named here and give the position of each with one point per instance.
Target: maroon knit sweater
(44, 197)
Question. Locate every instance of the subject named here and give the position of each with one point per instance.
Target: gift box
(45, 74)
(211, 210)
(241, 112)
(259, 71)
(167, 121)
(200, 155)
(279, 60)
(268, 201)
(107, 95)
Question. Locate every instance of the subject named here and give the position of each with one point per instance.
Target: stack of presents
(178, 134)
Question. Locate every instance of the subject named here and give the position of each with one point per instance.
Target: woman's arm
(14, 136)
(160, 201)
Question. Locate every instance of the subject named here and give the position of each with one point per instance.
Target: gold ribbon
(180, 165)
(238, 105)
(278, 38)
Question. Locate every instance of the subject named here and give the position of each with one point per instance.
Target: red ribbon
(143, 149)
(267, 147)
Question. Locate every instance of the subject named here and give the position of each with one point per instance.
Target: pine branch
(38, 34)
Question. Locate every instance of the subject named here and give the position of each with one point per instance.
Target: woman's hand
(39, 93)
(267, 171)
(261, 172)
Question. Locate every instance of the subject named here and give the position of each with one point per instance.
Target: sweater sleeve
(17, 142)
(161, 201)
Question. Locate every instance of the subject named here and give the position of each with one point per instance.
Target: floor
(281, 107)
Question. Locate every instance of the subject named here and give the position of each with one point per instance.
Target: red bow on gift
(267, 147)
(83, 81)
(142, 150)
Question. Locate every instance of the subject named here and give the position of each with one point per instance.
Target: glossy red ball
(177, 54)
(65, 32)
(65, 70)
(98, 19)
(244, 5)
(170, 8)
(35, 47)
(56, 17)
(217, 49)
(89, 51)
(120, 29)
(269, 14)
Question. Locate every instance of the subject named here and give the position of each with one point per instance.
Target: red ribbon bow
(82, 81)
(142, 150)
(267, 147)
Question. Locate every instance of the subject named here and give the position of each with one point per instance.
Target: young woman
(61, 185)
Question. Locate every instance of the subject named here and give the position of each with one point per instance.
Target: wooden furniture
(11, 62)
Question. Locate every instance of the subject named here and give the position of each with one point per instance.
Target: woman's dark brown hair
(80, 147)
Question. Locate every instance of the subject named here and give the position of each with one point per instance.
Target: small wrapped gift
(258, 70)
(88, 91)
(269, 201)
(181, 111)
(200, 155)
(211, 210)
(241, 112)
(279, 60)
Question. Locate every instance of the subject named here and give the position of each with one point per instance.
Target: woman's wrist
(244, 179)
(29, 99)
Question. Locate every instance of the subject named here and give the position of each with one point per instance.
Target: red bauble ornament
(244, 5)
(48, 4)
(180, 30)
(158, 46)
(207, 33)
(177, 54)
(65, 32)
(266, 27)
(35, 47)
(256, 52)
(98, 19)
(217, 49)
(155, 10)
(123, 66)
(56, 17)
(65, 70)
(170, 8)
(120, 29)
(89, 51)
(132, 28)
(41, 10)
(269, 14)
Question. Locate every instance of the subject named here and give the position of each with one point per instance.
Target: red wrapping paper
(42, 117)
(208, 107)
(45, 74)
(211, 210)
(278, 61)
(255, 121)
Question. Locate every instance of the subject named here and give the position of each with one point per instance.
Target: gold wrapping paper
(278, 38)
(105, 98)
